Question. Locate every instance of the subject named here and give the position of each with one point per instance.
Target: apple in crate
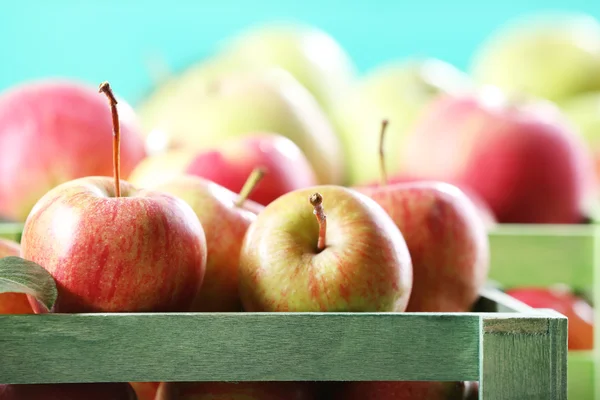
(113, 248)
(524, 159)
(68, 391)
(231, 163)
(351, 257)
(145, 390)
(13, 303)
(236, 390)
(53, 131)
(401, 390)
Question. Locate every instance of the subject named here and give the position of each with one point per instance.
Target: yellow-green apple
(68, 391)
(201, 115)
(113, 248)
(401, 390)
(547, 55)
(236, 391)
(12, 303)
(53, 131)
(351, 257)
(145, 390)
(397, 91)
(231, 163)
(310, 54)
(225, 221)
(523, 158)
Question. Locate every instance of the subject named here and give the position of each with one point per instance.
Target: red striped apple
(68, 391)
(231, 163)
(351, 257)
(401, 390)
(236, 391)
(12, 303)
(53, 131)
(113, 248)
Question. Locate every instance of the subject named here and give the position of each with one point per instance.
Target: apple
(68, 391)
(351, 257)
(577, 310)
(401, 390)
(397, 91)
(231, 163)
(225, 222)
(12, 303)
(524, 159)
(53, 131)
(203, 114)
(145, 390)
(547, 55)
(236, 391)
(113, 248)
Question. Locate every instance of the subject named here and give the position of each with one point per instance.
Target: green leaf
(18, 275)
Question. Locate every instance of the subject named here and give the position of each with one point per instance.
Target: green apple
(552, 56)
(396, 91)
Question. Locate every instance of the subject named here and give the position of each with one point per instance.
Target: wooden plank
(524, 357)
(541, 255)
(581, 375)
(238, 346)
(11, 230)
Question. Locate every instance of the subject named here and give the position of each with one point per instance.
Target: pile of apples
(259, 180)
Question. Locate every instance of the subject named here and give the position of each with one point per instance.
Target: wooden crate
(515, 352)
(535, 255)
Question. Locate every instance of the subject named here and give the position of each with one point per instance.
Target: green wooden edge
(581, 375)
(11, 230)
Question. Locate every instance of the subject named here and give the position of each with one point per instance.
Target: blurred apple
(549, 55)
(68, 391)
(145, 390)
(401, 390)
(231, 163)
(53, 131)
(200, 114)
(12, 303)
(396, 91)
(236, 391)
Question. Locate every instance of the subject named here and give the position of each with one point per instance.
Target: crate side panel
(581, 375)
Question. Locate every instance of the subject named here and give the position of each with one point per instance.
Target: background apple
(548, 55)
(53, 131)
(231, 163)
(145, 390)
(202, 115)
(70, 391)
(401, 390)
(236, 391)
(12, 303)
(354, 259)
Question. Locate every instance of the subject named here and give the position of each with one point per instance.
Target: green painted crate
(524, 255)
(515, 352)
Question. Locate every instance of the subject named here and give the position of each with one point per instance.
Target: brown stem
(112, 101)
(250, 184)
(383, 177)
(317, 202)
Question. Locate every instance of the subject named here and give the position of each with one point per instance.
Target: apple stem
(255, 176)
(112, 101)
(317, 202)
(384, 179)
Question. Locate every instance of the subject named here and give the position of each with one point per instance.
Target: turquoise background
(113, 40)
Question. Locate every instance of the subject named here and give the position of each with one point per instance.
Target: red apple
(523, 158)
(401, 390)
(236, 391)
(12, 303)
(53, 131)
(70, 391)
(113, 248)
(578, 311)
(230, 165)
(145, 390)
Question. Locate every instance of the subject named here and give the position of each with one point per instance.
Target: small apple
(578, 311)
(353, 259)
(401, 390)
(68, 391)
(113, 248)
(53, 131)
(236, 391)
(523, 159)
(231, 163)
(12, 303)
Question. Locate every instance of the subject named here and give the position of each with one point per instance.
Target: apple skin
(231, 164)
(578, 311)
(13, 303)
(401, 390)
(225, 225)
(365, 266)
(142, 252)
(53, 131)
(201, 115)
(145, 390)
(447, 241)
(236, 391)
(69, 391)
(523, 159)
